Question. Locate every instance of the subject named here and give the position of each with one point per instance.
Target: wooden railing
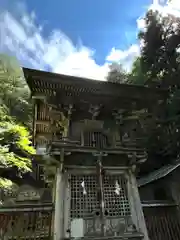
(97, 140)
(162, 221)
(26, 222)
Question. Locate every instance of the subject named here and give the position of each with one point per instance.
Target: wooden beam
(43, 122)
(71, 148)
(39, 96)
(43, 135)
(27, 208)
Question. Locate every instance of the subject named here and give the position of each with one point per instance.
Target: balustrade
(25, 223)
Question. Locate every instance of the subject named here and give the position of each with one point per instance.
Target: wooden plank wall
(163, 222)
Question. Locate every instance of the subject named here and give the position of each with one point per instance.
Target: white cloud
(140, 23)
(125, 57)
(167, 7)
(20, 36)
(164, 7)
(83, 63)
(174, 4)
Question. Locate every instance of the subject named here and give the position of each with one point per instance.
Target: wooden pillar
(34, 123)
(100, 191)
(67, 206)
(137, 212)
(59, 203)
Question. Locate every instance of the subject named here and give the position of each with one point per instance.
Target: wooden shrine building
(91, 146)
(89, 130)
(90, 138)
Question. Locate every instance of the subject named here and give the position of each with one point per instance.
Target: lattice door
(84, 201)
(117, 210)
(85, 204)
(116, 196)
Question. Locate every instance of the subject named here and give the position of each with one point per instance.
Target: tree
(117, 74)
(14, 92)
(15, 149)
(15, 115)
(159, 64)
(160, 51)
(136, 76)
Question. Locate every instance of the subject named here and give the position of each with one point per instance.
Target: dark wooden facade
(81, 122)
(160, 197)
(90, 132)
(162, 221)
(30, 221)
(26, 213)
(96, 111)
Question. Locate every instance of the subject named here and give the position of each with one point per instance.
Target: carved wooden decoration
(27, 193)
(94, 110)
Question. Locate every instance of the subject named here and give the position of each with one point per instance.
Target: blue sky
(98, 24)
(76, 37)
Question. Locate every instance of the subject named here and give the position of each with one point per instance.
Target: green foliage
(9, 159)
(137, 76)
(7, 184)
(159, 61)
(159, 54)
(18, 135)
(14, 92)
(15, 117)
(159, 66)
(15, 148)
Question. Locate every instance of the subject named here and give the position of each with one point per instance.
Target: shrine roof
(158, 174)
(48, 83)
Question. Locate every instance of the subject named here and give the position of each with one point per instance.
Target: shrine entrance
(99, 204)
